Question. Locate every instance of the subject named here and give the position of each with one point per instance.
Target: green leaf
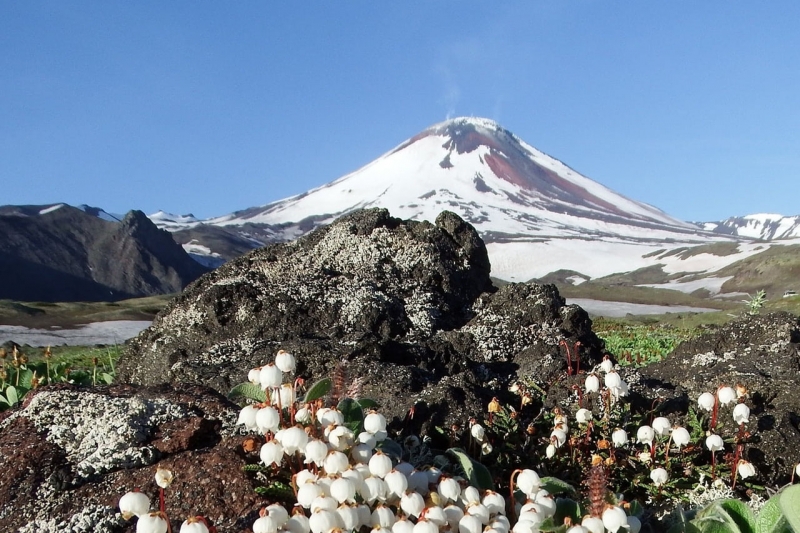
(729, 516)
(556, 486)
(351, 410)
(635, 509)
(789, 502)
(477, 473)
(107, 378)
(550, 526)
(11, 395)
(248, 390)
(770, 519)
(25, 378)
(318, 390)
(367, 403)
(682, 524)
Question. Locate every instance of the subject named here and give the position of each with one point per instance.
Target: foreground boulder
(408, 307)
(69, 454)
(761, 353)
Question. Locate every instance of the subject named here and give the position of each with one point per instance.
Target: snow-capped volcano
(487, 175)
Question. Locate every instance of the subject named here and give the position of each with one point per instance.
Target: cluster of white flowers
(612, 380)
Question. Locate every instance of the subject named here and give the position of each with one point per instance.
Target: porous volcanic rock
(69, 454)
(762, 353)
(408, 306)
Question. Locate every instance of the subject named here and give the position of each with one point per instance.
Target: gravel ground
(112, 332)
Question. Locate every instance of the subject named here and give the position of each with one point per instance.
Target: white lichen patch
(711, 358)
(98, 433)
(91, 519)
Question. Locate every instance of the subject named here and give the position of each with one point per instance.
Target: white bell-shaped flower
(528, 482)
(268, 420)
(271, 376)
(470, 524)
(434, 474)
(361, 453)
(435, 514)
(577, 529)
(606, 366)
(349, 517)
(550, 451)
(194, 524)
(265, 524)
(527, 523)
(680, 436)
(412, 503)
(661, 426)
(706, 401)
(480, 511)
(714, 443)
(303, 416)
(374, 489)
(271, 453)
(247, 417)
(307, 493)
(367, 438)
(659, 476)
(612, 380)
(645, 435)
(494, 502)
(619, 437)
(425, 526)
(323, 520)
(470, 495)
(726, 395)
(343, 490)
(614, 519)
(335, 462)
(478, 432)
(383, 516)
(745, 469)
(324, 483)
(592, 383)
(593, 524)
(298, 523)
(152, 523)
(326, 503)
(364, 514)
(305, 476)
(293, 440)
(330, 417)
(501, 524)
(355, 476)
(254, 376)
(134, 503)
(286, 362)
(374, 422)
(341, 438)
(449, 489)
(279, 513)
(741, 414)
(546, 503)
(315, 451)
(453, 513)
(558, 437)
(380, 464)
(583, 416)
(283, 395)
(403, 525)
(486, 448)
(396, 483)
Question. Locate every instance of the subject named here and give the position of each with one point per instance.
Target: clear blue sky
(210, 107)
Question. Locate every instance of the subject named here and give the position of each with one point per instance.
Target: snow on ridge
(51, 209)
(171, 222)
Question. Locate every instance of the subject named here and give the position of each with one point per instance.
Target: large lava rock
(69, 454)
(762, 353)
(407, 306)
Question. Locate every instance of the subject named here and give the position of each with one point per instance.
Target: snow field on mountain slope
(522, 261)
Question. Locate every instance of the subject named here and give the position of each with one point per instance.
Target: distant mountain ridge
(763, 226)
(63, 253)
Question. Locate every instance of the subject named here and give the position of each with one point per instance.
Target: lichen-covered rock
(69, 454)
(409, 306)
(762, 353)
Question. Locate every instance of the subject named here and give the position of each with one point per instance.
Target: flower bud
(478, 432)
(164, 477)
